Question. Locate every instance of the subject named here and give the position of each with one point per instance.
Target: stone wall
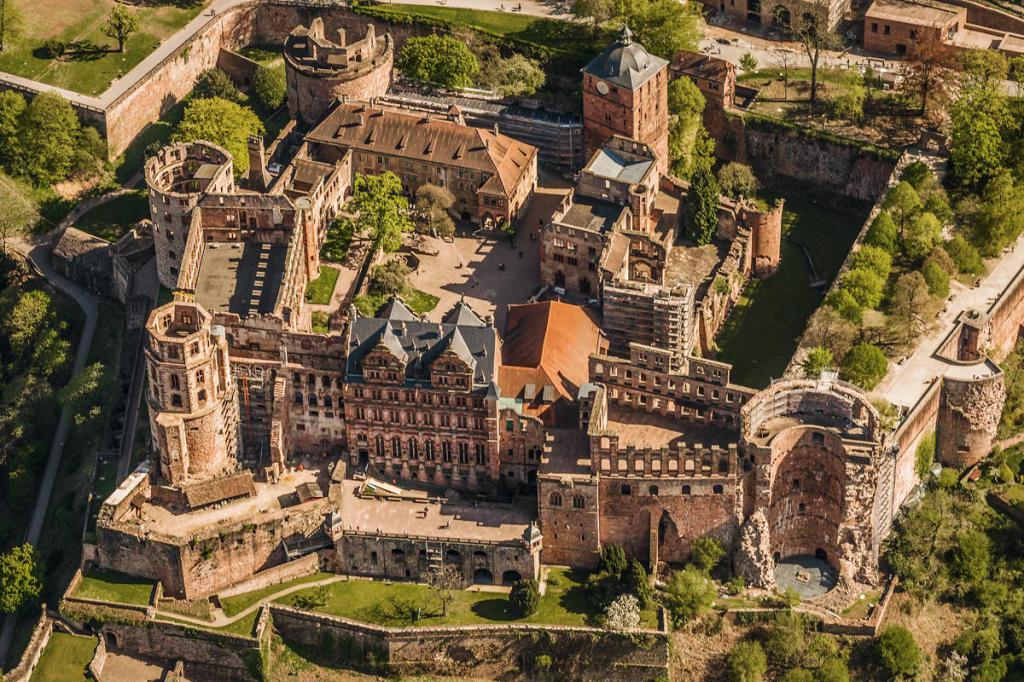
(297, 568)
(1006, 317)
(36, 644)
(968, 417)
(990, 17)
(206, 655)
(508, 652)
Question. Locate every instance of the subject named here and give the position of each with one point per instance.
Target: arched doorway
(510, 577)
(781, 17)
(754, 11)
(482, 576)
(821, 555)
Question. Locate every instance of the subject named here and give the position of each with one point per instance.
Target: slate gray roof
(462, 314)
(418, 343)
(625, 63)
(395, 309)
(606, 163)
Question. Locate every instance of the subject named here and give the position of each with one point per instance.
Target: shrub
(924, 455)
(917, 174)
(524, 598)
(748, 62)
(688, 594)
(897, 652)
(746, 663)
(389, 278)
(818, 360)
(797, 675)
(737, 179)
(845, 304)
(706, 553)
(850, 104)
(865, 365)
(623, 613)
(735, 586)
(832, 670)
(216, 83)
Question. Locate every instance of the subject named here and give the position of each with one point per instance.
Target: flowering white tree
(623, 613)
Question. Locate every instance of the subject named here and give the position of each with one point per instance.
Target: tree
(11, 22)
(433, 204)
(221, 122)
(979, 118)
(816, 37)
(515, 76)
(524, 598)
(445, 580)
(927, 72)
(636, 582)
(849, 104)
(81, 393)
(748, 62)
(688, 142)
(902, 203)
(706, 553)
(883, 233)
(797, 675)
(702, 206)
(389, 278)
(746, 662)
(873, 258)
(47, 136)
(965, 256)
(864, 285)
(623, 613)
(664, 27)
(1016, 70)
(440, 60)
(383, 210)
(737, 179)
(999, 216)
(818, 360)
(972, 555)
(21, 578)
(268, 84)
(843, 302)
(215, 83)
(830, 330)
(865, 365)
(909, 307)
(923, 233)
(936, 278)
(613, 560)
(121, 23)
(985, 68)
(833, 670)
(90, 152)
(17, 211)
(897, 652)
(688, 594)
(12, 108)
(924, 455)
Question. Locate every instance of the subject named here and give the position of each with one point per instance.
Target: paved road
(38, 253)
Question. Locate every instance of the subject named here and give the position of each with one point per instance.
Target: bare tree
(816, 37)
(445, 580)
(784, 57)
(927, 71)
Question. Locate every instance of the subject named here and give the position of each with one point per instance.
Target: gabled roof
(461, 314)
(390, 341)
(625, 63)
(457, 345)
(356, 125)
(546, 351)
(395, 309)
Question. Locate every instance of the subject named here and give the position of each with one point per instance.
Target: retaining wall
(30, 658)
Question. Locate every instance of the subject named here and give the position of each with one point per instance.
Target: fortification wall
(488, 652)
(968, 417)
(990, 17)
(206, 655)
(919, 422)
(1006, 317)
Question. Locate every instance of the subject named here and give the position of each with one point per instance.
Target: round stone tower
(969, 410)
(193, 405)
(178, 176)
(319, 70)
(765, 239)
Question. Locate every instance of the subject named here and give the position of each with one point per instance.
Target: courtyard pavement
(808, 576)
(470, 267)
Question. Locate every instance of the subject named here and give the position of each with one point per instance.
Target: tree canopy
(120, 24)
(21, 578)
(514, 76)
(737, 179)
(269, 87)
(383, 209)
(440, 60)
(215, 83)
(689, 144)
(865, 365)
(663, 26)
(979, 119)
(221, 122)
(702, 206)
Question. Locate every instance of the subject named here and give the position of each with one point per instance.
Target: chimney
(258, 178)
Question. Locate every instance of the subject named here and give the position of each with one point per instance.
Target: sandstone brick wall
(968, 417)
(207, 656)
(570, 518)
(490, 652)
(640, 114)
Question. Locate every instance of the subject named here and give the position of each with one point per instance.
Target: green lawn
(65, 658)
(320, 289)
(267, 55)
(239, 603)
(112, 220)
(320, 322)
(762, 331)
(419, 302)
(395, 604)
(115, 587)
(91, 62)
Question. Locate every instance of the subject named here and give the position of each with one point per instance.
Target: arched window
(653, 490)
(328, 402)
(686, 490)
(717, 490)
(396, 447)
(298, 397)
(312, 399)
(578, 502)
(556, 499)
(175, 400)
(175, 382)
(625, 489)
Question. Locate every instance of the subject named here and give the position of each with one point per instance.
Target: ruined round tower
(765, 238)
(178, 176)
(319, 70)
(193, 405)
(969, 410)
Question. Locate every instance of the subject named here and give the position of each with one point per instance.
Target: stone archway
(510, 577)
(482, 576)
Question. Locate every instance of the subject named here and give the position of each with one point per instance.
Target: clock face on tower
(602, 87)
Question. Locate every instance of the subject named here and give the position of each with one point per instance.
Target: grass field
(65, 659)
(115, 587)
(239, 603)
(762, 331)
(91, 62)
(419, 302)
(565, 603)
(318, 291)
(112, 220)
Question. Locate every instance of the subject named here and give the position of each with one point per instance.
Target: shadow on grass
(494, 609)
(76, 51)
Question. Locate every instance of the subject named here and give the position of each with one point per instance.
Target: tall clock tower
(625, 92)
